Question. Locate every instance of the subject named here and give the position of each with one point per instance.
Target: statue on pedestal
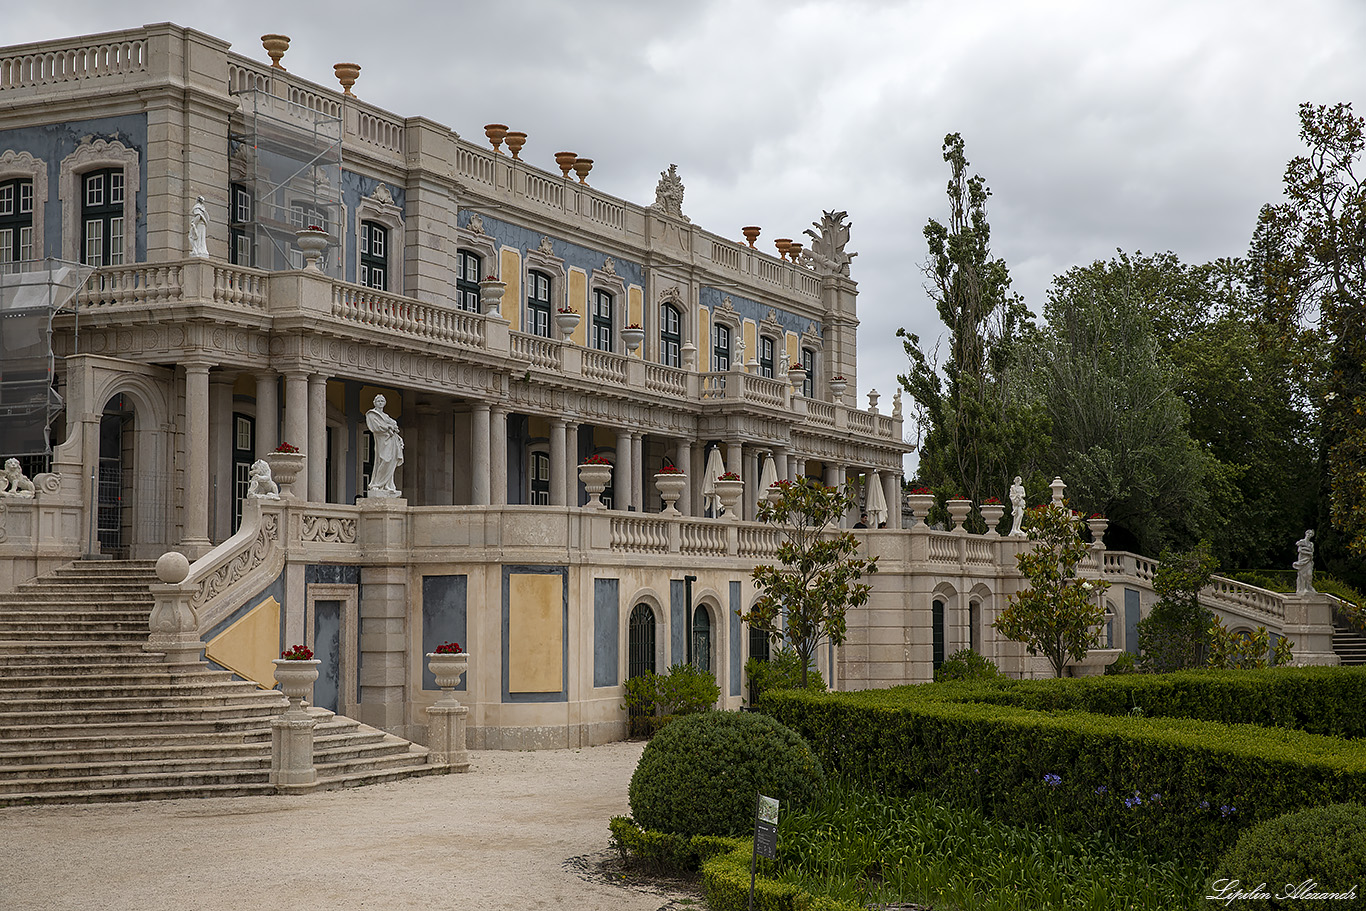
(199, 229)
(1017, 508)
(1304, 564)
(388, 451)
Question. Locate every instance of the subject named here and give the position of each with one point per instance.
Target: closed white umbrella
(877, 501)
(768, 476)
(715, 468)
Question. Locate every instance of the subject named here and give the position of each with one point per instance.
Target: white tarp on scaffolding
(28, 400)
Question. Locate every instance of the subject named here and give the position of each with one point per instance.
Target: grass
(862, 847)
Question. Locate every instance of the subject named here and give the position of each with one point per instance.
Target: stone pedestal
(1309, 624)
(291, 754)
(446, 736)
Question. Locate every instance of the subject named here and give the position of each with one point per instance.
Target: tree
(1175, 635)
(1058, 614)
(805, 600)
(976, 434)
(1243, 651)
(1310, 257)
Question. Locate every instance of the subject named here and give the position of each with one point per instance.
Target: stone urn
(797, 374)
(958, 512)
(566, 321)
(565, 162)
(495, 133)
(1098, 524)
(515, 140)
(632, 337)
(448, 669)
(837, 386)
(491, 292)
(275, 46)
(581, 167)
(312, 242)
(919, 504)
(296, 677)
(284, 469)
(992, 513)
(670, 485)
(730, 491)
(595, 477)
(751, 233)
(347, 74)
(775, 492)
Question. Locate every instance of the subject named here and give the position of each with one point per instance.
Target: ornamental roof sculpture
(669, 194)
(827, 247)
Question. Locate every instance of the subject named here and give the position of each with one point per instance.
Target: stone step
(129, 794)
(203, 724)
(337, 782)
(86, 705)
(67, 664)
(229, 747)
(181, 710)
(212, 761)
(74, 651)
(27, 628)
(147, 688)
(137, 781)
(81, 739)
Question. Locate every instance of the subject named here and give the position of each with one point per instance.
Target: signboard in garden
(766, 827)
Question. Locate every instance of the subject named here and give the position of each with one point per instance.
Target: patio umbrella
(715, 468)
(768, 476)
(877, 501)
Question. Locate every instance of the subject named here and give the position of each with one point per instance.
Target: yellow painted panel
(578, 299)
(751, 343)
(511, 272)
(248, 647)
(793, 354)
(244, 385)
(535, 633)
(703, 340)
(635, 307)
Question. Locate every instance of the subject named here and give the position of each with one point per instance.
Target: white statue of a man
(388, 450)
(1017, 508)
(199, 229)
(1304, 563)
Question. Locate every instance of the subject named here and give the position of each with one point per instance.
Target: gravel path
(513, 833)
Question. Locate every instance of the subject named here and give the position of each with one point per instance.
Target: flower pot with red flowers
(992, 509)
(919, 501)
(596, 473)
(670, 481)
(567, 320)
(730, 487)
(286, 461)
(632, 337)
(796, 374)
(1097, 523)
(837, 386)
(296, 670)
(448, 664)
(958, 511)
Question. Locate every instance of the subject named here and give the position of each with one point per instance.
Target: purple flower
(1227, 810)
(1052, 780)
(1102, 791)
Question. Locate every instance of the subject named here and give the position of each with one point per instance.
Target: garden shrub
(1325, 846)
(1124, 664)
(782, 671)
(652, 700)
(701, 773)
(965, 664)
(1172, 786)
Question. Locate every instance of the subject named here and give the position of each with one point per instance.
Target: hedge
(1169, 785)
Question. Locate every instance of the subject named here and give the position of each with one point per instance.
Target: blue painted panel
(1131, 612)
(563, 694)
(327, 649)
(678, 623)
(355, 187)
(606, 632)
(712, 298)
(737, 659)
(575, 256)
(443, 619)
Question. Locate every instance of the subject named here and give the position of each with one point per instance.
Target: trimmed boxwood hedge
(1170, 785)
(1321, 849)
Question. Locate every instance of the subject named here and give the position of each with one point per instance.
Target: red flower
(286, 448)
(596, 460)
(297, 653)
(450, 648)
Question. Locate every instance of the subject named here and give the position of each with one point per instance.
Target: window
(720, 348)
(766, 356)
(16, 223)
(102, 217)
(602, 320)
(240, 246)
(467, 281)
(937, 646)
(540, 479)
(670, 336)
(809, 362)
(374, 256)
(538, 303)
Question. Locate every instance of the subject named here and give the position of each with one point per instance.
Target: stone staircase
(87, 715)
(1349, 644)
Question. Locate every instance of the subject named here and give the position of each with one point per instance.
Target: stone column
(683, 459)
(296, 418)
(735, 457)
(621, 472)
(196, 539)
(317, 438)
(751, 476)
(481, 454)
(571, 462)
(891, 490)
(638, 471)
(267, 413)
(221, 443)
(793, 468)
(498, 455)
(557, 497)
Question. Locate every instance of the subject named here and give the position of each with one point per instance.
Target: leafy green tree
(1175, 635)
(1058, 614)
(806, 598)
(1245, 651)
(976, 433)
(1310, 256)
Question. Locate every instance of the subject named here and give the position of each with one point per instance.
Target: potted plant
(491, 292)
(295, 670)
(730, 487)
(632, 336)
(285, 461)
(797, 374)
(596, 473)
(837, 385)
(670, 480)
(1097, 523)
(992, 509)
(920, 500)
(958, 508)
(448, 664)
(567, 320)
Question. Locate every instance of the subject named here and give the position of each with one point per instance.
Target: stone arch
(707, 605)
(649, 599)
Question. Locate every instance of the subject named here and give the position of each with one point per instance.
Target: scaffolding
(32, 293)
(285, 168)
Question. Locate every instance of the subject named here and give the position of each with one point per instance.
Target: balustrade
(48, 65)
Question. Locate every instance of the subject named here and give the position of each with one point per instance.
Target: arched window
(701, 639)
(974, 624)
(937, 621)
(670, 336)
(467, 281)
(16, 222)
(766, 347)
(602, 320)
(538, 303)
(720, 347)
(640, 641)
(809, 362)
(374, 255)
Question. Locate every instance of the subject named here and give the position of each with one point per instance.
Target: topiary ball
(1318, 850)
(700, 774)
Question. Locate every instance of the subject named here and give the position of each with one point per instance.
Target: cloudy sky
(1097, 125)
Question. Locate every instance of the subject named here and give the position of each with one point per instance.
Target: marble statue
(827, 247)
(669, 194)
(14, 483)
(199, 229)
(1017, 508)
(388, 450)
(1304, 564)
(260, 484)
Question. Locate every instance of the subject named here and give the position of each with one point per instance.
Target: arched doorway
(640, 660)
(701, 639)
(114, 487)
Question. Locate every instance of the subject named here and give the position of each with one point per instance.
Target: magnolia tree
(805, 599)
(1058, 614)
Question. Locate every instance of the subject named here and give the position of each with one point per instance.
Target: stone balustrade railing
(56, 62)
(407, 317)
